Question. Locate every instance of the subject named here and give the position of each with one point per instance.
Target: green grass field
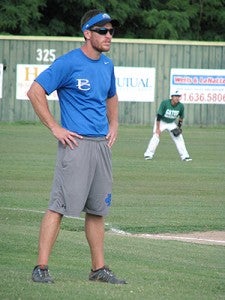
(164, 195)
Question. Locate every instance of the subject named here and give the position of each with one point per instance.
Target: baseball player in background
(170, 111)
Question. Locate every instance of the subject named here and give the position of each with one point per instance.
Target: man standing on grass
(85, 82)
(169, 112)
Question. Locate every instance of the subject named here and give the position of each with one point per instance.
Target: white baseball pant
(154, 141)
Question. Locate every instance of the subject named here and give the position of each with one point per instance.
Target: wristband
(179, 124)
(158, 117)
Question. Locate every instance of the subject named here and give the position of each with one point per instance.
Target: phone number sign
(199, 86)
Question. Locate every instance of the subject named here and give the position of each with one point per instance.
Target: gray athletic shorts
(83, 179)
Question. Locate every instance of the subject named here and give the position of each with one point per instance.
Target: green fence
(159, 54)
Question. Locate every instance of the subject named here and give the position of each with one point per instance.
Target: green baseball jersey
(169, 112)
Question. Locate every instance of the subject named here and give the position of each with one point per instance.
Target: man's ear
(87, 34)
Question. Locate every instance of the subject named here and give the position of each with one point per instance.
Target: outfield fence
(28, 52)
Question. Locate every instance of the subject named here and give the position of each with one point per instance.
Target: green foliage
(164, 19)
(170, 21)
(212, 20)
(21, 16)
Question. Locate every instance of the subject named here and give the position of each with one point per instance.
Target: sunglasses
(103, 30)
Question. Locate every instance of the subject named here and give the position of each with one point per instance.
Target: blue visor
(100, 20)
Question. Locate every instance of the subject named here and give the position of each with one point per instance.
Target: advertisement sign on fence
(135, 84)
(199, 86)
(24, 78)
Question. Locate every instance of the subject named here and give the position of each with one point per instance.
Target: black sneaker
(41, 274)
(187, 159)
(105, 275)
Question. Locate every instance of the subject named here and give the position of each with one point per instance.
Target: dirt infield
(210, 237)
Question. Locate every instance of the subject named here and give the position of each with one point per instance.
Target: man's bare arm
(38, 99)
(112, 113)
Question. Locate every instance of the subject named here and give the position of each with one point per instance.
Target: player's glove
(176, 131)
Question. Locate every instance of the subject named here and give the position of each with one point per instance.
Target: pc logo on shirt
(83, 84)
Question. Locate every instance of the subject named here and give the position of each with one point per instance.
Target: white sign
(1, 79)
(199, 86)
(25, 75)
(135, 84)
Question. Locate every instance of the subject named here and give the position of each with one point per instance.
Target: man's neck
(90, 52)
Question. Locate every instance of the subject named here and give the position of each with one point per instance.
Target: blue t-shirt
(83, 86)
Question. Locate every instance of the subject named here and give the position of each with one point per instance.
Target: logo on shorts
(108, 199)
